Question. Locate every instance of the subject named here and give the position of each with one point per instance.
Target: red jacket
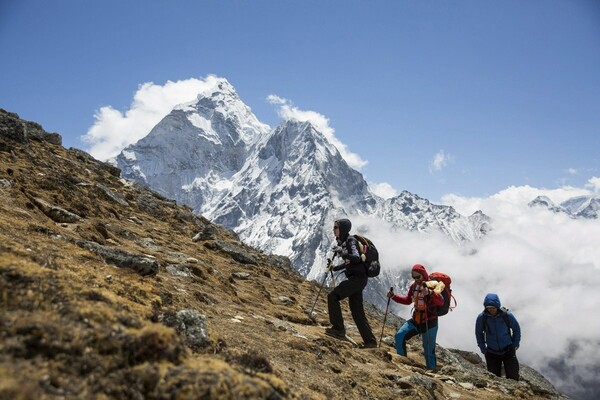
(432, 300)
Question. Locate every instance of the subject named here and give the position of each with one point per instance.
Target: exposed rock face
(20, 131)
(141, 264)
(123, 302)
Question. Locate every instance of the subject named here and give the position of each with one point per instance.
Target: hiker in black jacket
(352, 288)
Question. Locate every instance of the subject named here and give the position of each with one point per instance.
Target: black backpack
(444, 308)
(370, 255)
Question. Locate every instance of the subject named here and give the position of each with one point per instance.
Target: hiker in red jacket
(426, 297)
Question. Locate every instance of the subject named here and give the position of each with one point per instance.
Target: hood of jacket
(418, 268)
(492, 299)
(344, 225)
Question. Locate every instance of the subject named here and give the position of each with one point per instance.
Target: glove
(390, 294)
(329, 267)
(337, 250)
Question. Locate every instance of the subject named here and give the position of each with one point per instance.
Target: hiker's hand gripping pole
(386, 312)
(330, 267)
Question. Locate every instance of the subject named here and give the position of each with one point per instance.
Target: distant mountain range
(279, 188)
(587, 207)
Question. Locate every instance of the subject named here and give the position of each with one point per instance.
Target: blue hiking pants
(407, 331)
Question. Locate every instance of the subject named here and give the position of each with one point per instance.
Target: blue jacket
(496, 336)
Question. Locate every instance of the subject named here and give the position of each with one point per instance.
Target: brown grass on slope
(109, 290)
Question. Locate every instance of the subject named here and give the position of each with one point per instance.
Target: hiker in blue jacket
(495, 339)
(352, 288)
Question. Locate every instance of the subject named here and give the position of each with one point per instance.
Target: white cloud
(384, 190)
(288, 111)
(510, 201)
(572, 171)
(439, 161)
(593, 184)
(113, 130)
(544, 266)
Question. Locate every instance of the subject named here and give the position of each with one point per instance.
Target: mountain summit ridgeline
(280, 189)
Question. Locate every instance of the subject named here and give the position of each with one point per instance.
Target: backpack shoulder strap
(360, 239)
(452, 298)
(362, 243)
(485, 323)
(505, 317)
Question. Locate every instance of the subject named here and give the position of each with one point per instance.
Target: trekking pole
(331, 268)
(426, 339)
(329, 261)
(333, 279)
(385, 315)
(335, 253)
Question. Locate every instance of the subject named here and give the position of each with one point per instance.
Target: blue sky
(502, 93)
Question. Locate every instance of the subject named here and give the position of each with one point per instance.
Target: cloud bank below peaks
(114, 130)
(513, 201)
(288, 111)
(545, 267)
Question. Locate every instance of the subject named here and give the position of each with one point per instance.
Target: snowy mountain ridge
(584, 207)
(279, 189)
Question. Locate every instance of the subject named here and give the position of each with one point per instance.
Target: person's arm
(480, 334)
(404, 299)
(516, 330)
(339, 267)
(435, 298)
(353, 254)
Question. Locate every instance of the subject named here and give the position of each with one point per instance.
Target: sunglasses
(417, 277)
(336, 227)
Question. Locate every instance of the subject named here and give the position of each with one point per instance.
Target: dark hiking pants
(509, 359)
(352, 289)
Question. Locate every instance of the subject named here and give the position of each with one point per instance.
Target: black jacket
(350, 251)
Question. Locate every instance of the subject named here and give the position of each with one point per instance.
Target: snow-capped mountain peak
(280, 189)
(583, 206)
(586, 207)
(219, 107)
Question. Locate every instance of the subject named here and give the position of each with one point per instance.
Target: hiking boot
(368, 345)
(335, 333)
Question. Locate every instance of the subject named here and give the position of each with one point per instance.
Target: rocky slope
(109, 290)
